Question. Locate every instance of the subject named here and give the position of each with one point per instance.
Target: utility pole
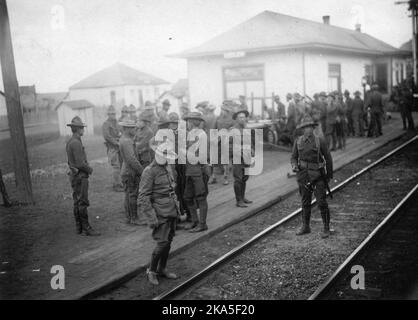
(14, 110)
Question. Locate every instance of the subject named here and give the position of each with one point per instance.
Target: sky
(59, 42)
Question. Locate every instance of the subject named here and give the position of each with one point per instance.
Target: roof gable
(76, 104)
(118, 75)
(271, 30)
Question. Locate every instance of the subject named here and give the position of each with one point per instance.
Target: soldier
(281, 109)
(132, 112)
(157, 201)
(330, 126)
(131, 171)
(224, 121)
(350, 122)
(340, 122)
(310, 157)
(124, 113)
(163, 115)
(375, 102)
(142, 138)
(209, 124)
(79, 174)
(111, 135)
(197, 176)
(406, 102)
(358, 114)
(184, 109)
(238, 169)
(323, 111)
(149, 111)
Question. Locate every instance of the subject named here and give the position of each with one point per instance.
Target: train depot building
(276, 53)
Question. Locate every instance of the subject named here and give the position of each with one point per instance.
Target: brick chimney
(358, 27)
(325, 19)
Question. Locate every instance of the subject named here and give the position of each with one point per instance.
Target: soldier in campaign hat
(131, 170)
(124, 113)
(132, 112)
(111, 134)
(79, 173)
(142, 138)
(312, 163)
(196, 176)
(163, 114)
(158, 203)
(238, 169)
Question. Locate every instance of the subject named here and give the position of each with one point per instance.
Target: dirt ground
(34, 238)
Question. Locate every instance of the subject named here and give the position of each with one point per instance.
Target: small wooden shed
(67, 110)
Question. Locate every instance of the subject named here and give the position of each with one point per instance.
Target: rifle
(6, 200)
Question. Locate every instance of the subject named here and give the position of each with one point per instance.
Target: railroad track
(389, 256)
(185, 289)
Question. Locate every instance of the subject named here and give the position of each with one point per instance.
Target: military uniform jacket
(142, 147)
(156, 198)
(349, 104)
(77, 159)
(375, 102)
(130, 165)
(195, 170)
(331, 113)
(224, 123)
(358, 106)
(111, 133)
(314, 151)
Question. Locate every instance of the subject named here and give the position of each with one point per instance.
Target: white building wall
(316, 70)
(282, 74)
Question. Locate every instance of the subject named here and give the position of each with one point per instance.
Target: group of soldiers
(337, 115)
(168, 197)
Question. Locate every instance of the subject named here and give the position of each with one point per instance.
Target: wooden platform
(126, 256)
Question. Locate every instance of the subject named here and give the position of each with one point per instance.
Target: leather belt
(310, 165)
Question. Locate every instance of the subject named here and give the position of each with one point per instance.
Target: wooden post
(273, 114)
(14, 111)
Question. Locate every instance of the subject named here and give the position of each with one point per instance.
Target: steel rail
(230, 254)
(327, 285)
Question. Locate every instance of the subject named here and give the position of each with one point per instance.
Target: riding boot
(325, 214)
(238, 195)
(306, 217)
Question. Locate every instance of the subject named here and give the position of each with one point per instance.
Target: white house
(178, 95)
(67, 110)
(276, 53)
(119, 85)
(3, 109)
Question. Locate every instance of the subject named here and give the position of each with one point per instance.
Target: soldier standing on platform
(142, 138)
(358, 114)
(281, 109)
(131, 170)
(330, 126)
(341, 123)
(350, 123)
(196, 186)
(224, 121)
(184, 109)
(375, 102)
(149, 111)
(124, 113)
(111, 135)
(209, 124)
(238, 169)
(79, 174)
(163, 114)
(158, 203)
(406, 102)
(132, 112)
(312, 163)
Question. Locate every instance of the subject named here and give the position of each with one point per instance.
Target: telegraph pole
(14, 110)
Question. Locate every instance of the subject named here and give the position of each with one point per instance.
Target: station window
(334, 77)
